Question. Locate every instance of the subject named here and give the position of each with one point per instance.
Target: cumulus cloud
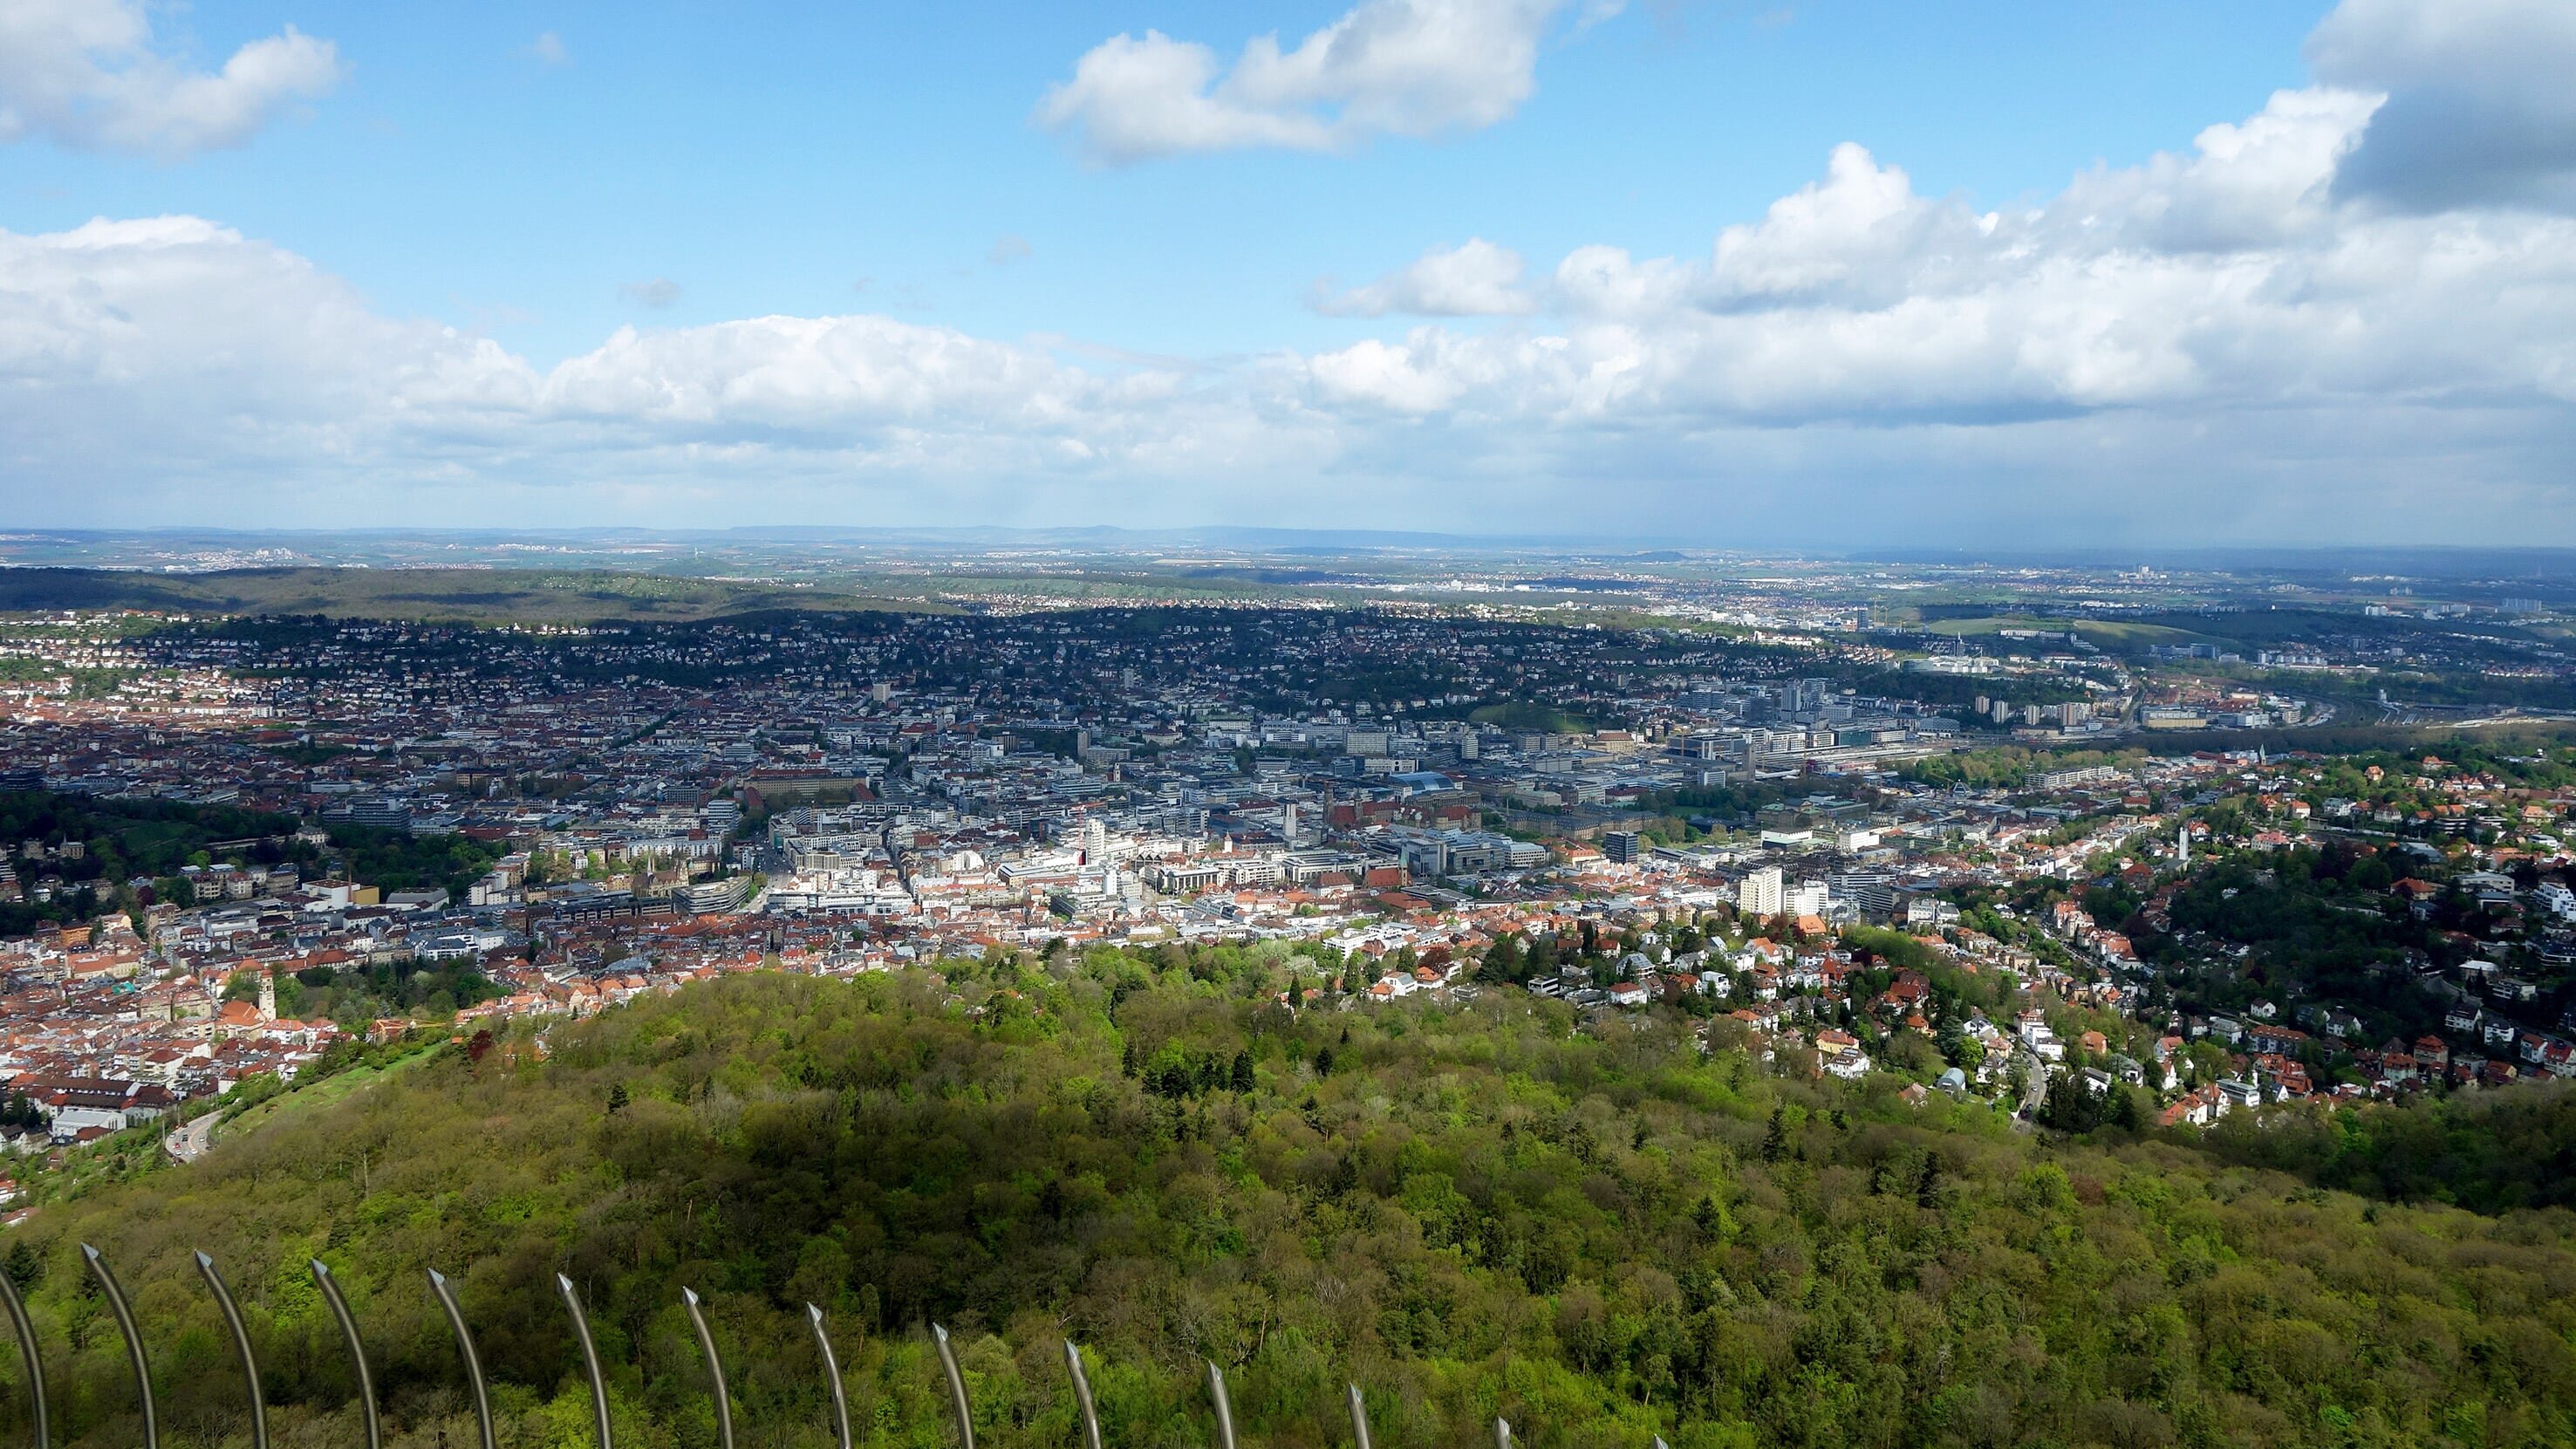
(1388, 67)
(2224, 278)
(2481, 99)
(2220, 341)
(161, 349)
(1477, 279)
(85, 74)
(657, 293)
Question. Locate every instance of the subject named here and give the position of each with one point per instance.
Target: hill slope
(1468, 1211)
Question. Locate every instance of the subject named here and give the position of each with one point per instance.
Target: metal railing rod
(1220, 1400)
(133, 1343)
(956, 1388)
(715, 1367)
(1224, 1406)
(1082, 1396)
(330, 1287)
(473, 1360)
(831, 1376)
(241, 1345)
(589, 1360)
(34, 1362)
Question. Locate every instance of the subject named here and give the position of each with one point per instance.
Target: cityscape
(1338, 724)
(1964, 846)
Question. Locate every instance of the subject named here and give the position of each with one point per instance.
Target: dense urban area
(2104, 864)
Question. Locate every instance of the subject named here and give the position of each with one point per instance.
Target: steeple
(267, 995)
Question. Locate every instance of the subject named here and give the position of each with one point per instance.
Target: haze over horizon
(1853, 274)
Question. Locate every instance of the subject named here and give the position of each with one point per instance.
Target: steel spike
(26, 1332)
(330, 1287)
(473, 1360)
(241, 1344)
(1224, 1406)
(1502, 1435)
(1082, 1396)
(133, 1344)
(956, 1388)
(715, 1367)
(1359, 1419)
(832, 1376)
(589, 1360)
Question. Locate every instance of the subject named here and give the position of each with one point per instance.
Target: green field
(1526, 716)
(2118, 636)
(334, 1088)
(527, 596)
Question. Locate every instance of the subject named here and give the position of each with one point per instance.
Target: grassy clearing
(334, 1088)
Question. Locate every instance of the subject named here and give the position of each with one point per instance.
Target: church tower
(267, 995)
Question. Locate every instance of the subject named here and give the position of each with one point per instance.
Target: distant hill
(1600, 1234)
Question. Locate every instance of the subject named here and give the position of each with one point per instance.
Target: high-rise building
(1758, 894)
(1620, 846)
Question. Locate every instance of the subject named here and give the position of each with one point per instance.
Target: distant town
(2086, 845)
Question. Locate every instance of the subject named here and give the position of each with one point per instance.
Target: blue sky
(1075, 333)
(766, 158)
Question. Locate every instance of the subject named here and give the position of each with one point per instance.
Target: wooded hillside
(1598, 1233)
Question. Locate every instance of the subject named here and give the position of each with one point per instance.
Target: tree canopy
(1597, 1231)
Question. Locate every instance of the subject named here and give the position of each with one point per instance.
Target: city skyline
(1831, 273)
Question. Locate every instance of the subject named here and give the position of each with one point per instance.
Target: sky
(1808, 274)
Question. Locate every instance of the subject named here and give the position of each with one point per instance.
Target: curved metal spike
(1359, 1419)
(1224, 1406)
(133, 1343)
(1502, 1435)
(26, 1332)
(1082, 1396)
(832, 1376)
(241, 1343)
(589, 1360)
(330, 1287)
(473, 1360)
(956, 1388)
(715, 1367)
(1660, 1444)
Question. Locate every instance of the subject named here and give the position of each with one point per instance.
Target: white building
(1759, 894)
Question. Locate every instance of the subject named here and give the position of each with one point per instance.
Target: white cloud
(172, 352)
(2481, 98)
(548, 48)
(2218, 342)
(84, 73)
(1476, 279)
(1006, 250)
(1388, 67)
(2222, 279)
(657, 293)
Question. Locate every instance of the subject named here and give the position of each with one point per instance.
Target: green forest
(1594, 1230)
(127, 839)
